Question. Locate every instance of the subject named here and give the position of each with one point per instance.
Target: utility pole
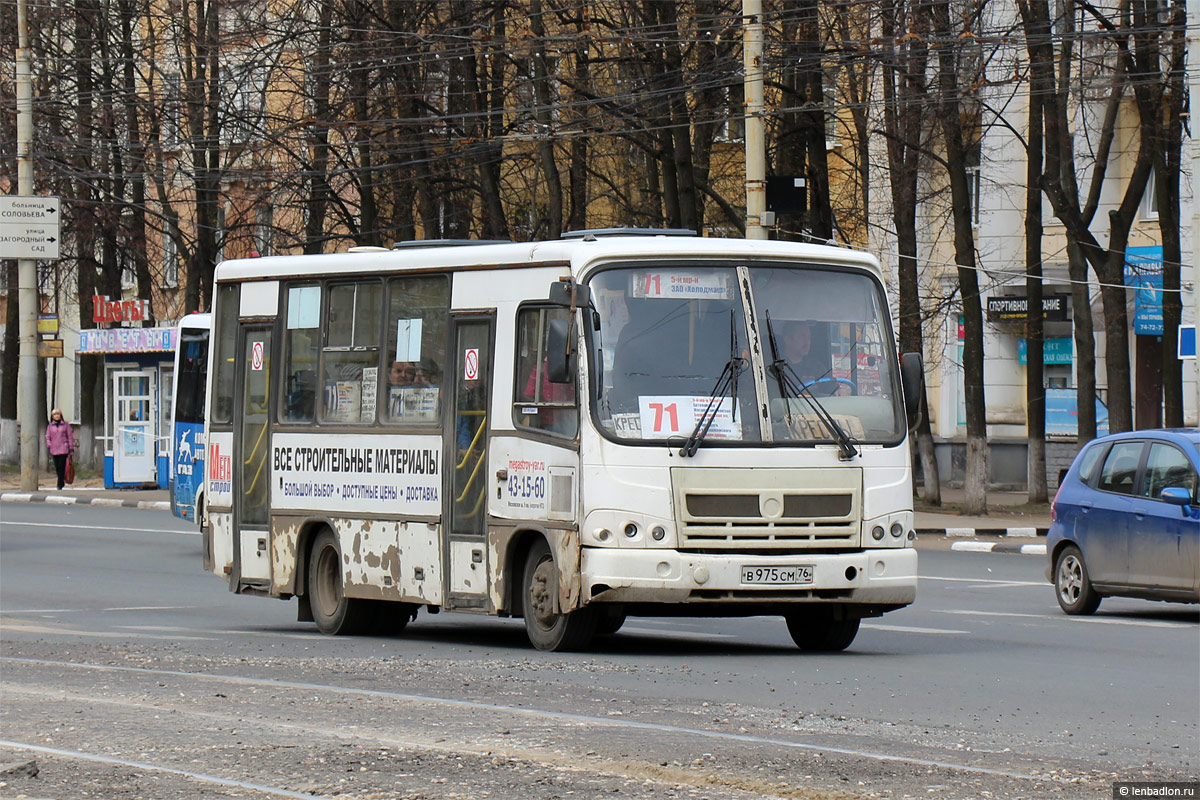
(756, 146)
(1193, 67)
(27, 294)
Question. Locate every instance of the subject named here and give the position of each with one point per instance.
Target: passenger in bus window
(412, 396)
(402, 373)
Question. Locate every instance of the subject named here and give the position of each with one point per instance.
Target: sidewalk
(1011, 526)
(88, 489)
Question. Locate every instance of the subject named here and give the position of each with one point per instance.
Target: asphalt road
(126, 671)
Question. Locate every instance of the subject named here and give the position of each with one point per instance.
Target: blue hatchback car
(1126, 521)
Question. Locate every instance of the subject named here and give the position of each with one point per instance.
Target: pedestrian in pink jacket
(61, 443)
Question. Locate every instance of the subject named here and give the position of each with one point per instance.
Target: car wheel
(1071, 583)
(547, 628)
(818, 630)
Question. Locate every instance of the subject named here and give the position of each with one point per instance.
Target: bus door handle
(501, 474)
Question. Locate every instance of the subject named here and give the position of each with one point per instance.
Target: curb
(64, 500)
(1027, 533)
(999, 547)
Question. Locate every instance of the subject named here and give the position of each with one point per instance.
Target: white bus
(568, 432)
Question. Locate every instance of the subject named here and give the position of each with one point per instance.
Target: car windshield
(667, 332)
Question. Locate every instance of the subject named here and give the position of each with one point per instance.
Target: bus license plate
(777, 576)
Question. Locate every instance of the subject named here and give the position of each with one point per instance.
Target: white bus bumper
(667, 576)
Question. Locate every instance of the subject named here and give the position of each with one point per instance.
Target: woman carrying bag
(61, 444)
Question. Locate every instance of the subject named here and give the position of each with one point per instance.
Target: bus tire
(547, 628)
(818, 629)
(334, 613)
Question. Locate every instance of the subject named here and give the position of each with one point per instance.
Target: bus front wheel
(819, 629)
(547, 628)
(333, 612)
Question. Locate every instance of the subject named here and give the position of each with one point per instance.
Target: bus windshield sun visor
(728, 379)
(790, 385)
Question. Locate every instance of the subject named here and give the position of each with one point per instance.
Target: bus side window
(350, 359)
(418, 308)
(228, 309)
(302, 342)
(537, 403)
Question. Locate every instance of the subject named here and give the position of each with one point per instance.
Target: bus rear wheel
(547, 628)
(334, 613)
(818, 629)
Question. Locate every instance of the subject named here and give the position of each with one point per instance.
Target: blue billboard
(1144, 273)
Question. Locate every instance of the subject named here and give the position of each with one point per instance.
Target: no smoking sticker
(471, 364)
(256, 356)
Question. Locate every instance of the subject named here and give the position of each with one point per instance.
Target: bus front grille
(768, 509)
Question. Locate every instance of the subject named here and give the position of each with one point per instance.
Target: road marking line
(1145, 623)
(997, 581)
(907, 629)
(100, 528)
(199, 776)
(675, 634)
(69, 630)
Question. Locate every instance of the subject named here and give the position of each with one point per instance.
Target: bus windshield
(667, 332)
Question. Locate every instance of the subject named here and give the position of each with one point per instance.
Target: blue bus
(187, 427)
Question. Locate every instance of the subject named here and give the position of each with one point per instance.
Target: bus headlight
(604, 534)
(658, 533)
(631, 529)
(877, 533)
(897, 530)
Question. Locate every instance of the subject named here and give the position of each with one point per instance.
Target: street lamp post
(27, 292)
(756, 156)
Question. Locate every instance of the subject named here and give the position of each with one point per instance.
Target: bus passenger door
(466, 448)
(251, 458)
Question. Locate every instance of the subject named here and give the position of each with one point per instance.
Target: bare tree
(1061, 187)
(906, 118)
(958, 117)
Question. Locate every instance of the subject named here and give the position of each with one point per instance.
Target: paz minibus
(571, 432)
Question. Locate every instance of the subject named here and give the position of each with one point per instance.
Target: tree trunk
(1085, 345)
(955, 138)
(905, 112)
(542, 70)
(1035, 392)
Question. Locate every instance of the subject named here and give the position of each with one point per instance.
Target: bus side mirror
(561, 294)
(560, 357)
(912, 377)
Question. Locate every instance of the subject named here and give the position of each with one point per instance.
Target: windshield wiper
(790, 385)
(727, 380)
